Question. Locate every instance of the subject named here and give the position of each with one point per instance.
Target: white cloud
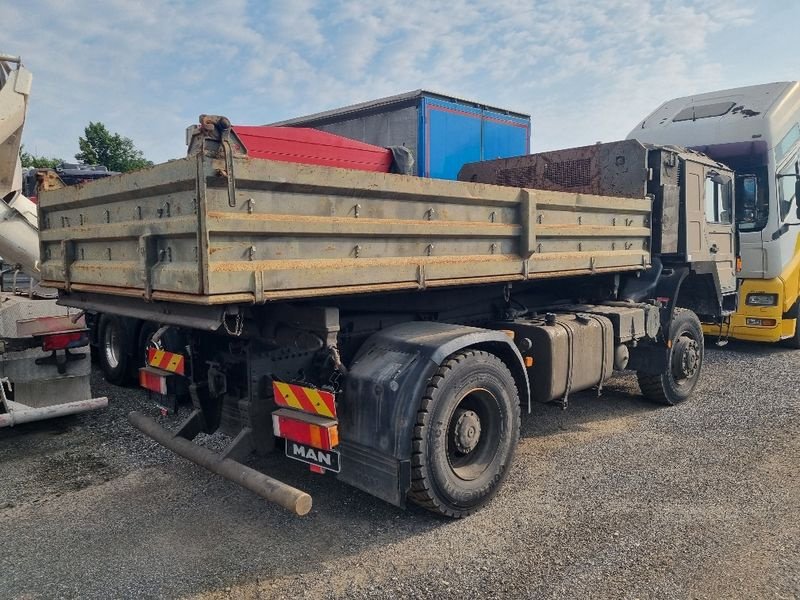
(586, 70)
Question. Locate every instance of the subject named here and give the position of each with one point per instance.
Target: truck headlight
(762, 299)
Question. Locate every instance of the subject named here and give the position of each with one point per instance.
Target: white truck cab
(756, 131)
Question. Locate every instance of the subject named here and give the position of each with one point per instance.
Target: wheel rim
(686, 359)
(473, 434)
(111, 348)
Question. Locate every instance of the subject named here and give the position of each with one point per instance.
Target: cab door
(710, 233)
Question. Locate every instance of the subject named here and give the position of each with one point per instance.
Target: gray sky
(586, 70)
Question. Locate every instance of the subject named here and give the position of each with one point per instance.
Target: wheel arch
(383, 390)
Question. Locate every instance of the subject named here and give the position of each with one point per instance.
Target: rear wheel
(114, 350)
(685, 362)
(466, 433)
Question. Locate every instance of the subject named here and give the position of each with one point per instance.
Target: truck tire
(114, 350)
(685, 359)
(794, 341)
(465, 436)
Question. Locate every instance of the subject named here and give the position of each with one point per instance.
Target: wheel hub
(467, 430)
(686, 358)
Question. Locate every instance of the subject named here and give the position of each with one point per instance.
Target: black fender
(675, 288)
(384, 386)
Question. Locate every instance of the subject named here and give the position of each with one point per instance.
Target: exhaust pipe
(290, 498)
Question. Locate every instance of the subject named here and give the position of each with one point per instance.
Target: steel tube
(18, 416)
(292, 499)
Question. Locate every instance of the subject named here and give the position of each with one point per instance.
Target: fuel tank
(571, 352)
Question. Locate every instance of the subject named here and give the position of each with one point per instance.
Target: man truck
(756, 131)
(391, 328)
(437, 134)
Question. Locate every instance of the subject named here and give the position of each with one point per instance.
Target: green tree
(101, 147)
(37, 162)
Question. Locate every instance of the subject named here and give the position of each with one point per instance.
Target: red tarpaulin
(312, 147)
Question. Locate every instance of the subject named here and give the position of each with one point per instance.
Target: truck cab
(756, 131)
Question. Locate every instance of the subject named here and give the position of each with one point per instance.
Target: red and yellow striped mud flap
(306, 399)
(166, 361)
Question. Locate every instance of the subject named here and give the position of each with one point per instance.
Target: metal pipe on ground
(20, 413)
(290, 498)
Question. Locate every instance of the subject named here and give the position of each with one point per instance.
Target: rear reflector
(167, 361)
(310, 430)
(154, 380)
(307, 399)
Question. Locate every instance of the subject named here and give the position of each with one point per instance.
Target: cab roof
(742, 114)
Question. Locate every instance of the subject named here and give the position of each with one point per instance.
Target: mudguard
(384, 386)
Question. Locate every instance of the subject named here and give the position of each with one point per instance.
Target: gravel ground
(613, 498)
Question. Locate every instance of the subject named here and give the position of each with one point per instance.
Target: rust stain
(294, 218)
(357, 263)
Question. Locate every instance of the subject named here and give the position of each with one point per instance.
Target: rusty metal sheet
(200, 231)
(611, 169)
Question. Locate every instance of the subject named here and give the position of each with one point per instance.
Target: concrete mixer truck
(44, 353)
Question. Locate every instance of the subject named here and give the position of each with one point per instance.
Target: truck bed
(204, 230)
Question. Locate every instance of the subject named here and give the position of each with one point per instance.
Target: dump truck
(44, 352)
(390, 328)
(437, 133)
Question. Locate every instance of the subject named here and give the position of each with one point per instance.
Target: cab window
(717, 199)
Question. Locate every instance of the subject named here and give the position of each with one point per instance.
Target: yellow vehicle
(756, 131)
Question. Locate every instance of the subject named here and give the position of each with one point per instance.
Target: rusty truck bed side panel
(184, 231)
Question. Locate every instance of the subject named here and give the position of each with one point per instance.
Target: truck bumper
(21, 413)
(743, 324)
(180, 443)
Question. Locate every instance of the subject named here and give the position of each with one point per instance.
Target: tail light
(62, 341)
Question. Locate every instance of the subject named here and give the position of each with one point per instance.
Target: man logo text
(310, 454)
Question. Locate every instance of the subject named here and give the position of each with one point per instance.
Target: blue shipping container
(442, 132)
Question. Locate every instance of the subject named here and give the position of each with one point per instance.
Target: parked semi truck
(755, 130)
(44, 364)
(391, 328)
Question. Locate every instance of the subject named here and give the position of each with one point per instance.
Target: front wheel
(466, 433)
(685, 362)
(794, 341)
